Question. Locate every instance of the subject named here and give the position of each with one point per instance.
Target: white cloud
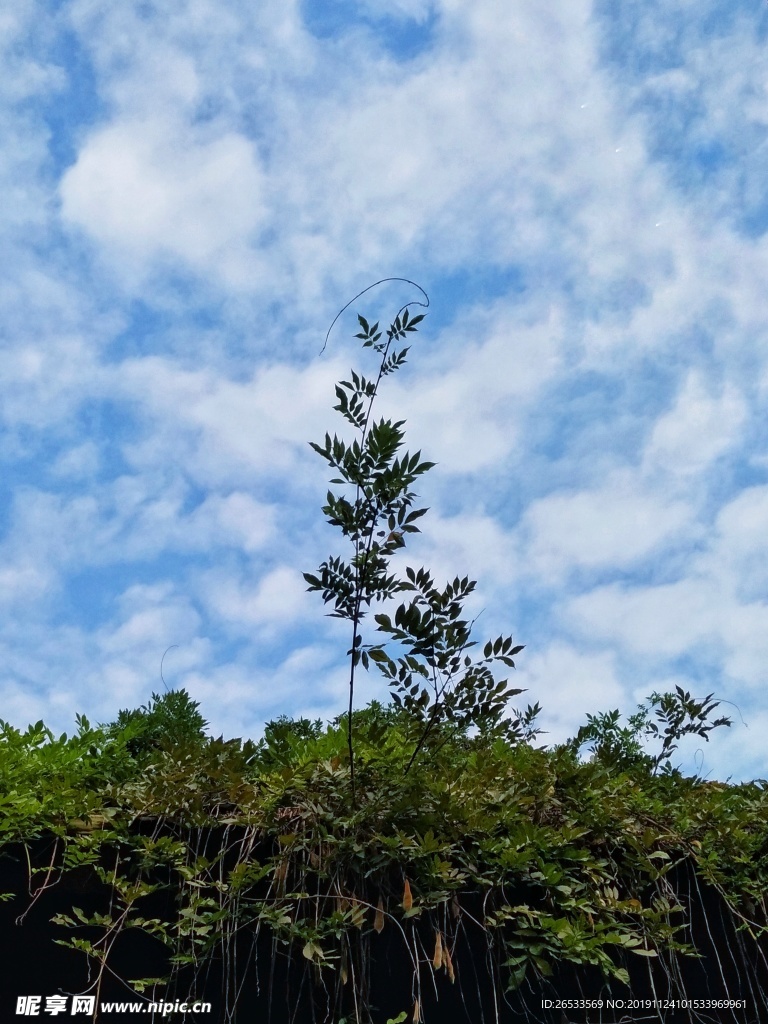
(128, 652)
(741, 542)
(472, 389)
(81, 461)
(225, 430)
(715, 611)
(150, 614)
(23, 583)
(273, 603)
(21, 708)
(154, 191)
(239, 699)
(45, 381)
(568, 683)
(236, 519)
(611, 527)
(693, 617)
(473, 544)
(656, 621)
(132, 518)
(698, 428)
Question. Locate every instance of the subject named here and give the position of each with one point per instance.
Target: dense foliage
(571, 857)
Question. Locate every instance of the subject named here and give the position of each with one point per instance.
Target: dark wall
(259, 982)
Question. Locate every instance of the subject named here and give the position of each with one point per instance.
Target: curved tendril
(405, 280)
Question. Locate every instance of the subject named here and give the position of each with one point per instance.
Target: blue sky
(192, 189)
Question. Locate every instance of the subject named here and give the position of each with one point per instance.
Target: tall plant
(431, 676)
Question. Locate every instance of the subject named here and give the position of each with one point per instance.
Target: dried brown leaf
(407, 897)
(448, 964)
(343, 972)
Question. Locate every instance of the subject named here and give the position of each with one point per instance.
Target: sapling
(433, 680)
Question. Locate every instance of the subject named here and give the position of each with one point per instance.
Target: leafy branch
(677, 714)
(434, 682)
(383, 495)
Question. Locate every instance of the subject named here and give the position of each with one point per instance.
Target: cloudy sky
(193, 189)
